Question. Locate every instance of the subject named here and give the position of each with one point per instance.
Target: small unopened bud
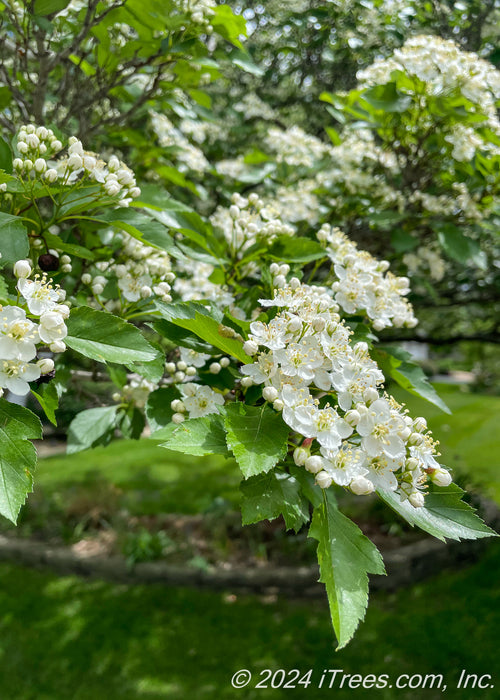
(214, 368)
(86, 278)
(294, 325)
(279, 281)
(22, 269)
(441, 477)
(46, 365)
(250, 347)
(314, 464)
(190, 371)
(370, 395)
(415, 439)
(274, 269)
(179, 376)
(182, 366)
(177, 406)
(170, 367)
(416, 499)
(300, 454)
(177, 418)
(419, 424)
(247, 382)
(57, 346)
(270, 393)
(361, 486)
(116, 396)
(224, 361)
(324, 480)
(352, 417)
(278, 405)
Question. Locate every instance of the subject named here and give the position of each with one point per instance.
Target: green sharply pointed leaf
(48, 399)
(195, 318)
(139, 226)
(47, 7)
(91, 428)
(267, 496)
(345, 558)
(14, 243)
(444, 514)
(291, 249)
(198, 436)
(17, 456)
(388, 98)
(257, 436)
(394, 362)
(107, 338)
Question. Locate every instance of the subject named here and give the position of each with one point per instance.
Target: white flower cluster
(360, 440)
(188, 157)
(364, 283)
(295, 204)
(252, 107)
(295, 147)
(192, 282)
(426, 260)
(136, 390)
(142, 271)
(246, 222)
(197, 400)
(19, 335)
(35, 146)
(201, 131)
(201, 11)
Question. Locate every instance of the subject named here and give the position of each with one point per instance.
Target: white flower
(18, 335)
(15, 375)
(52, 327)
(379, 427)
(39, 294)
(131, 286)
(193, 358)
(200, 400)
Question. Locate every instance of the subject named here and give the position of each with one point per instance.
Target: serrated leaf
(17, 456)
(140, 227)
(47, 7)
(197, 319)
(257, 436)
(444, 514)
(107, 338)
(91, 428)
(197, 436)
(14, 243)
(267, 496)
(292, 249)
(345, 557)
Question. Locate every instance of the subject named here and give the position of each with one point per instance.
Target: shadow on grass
(71, 639)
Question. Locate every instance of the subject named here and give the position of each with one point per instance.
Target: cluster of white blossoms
(252, 107)
(296, 147)
(192, 283)
(295, 204)
(20, 335)
(328, 391)
(201, 11)
(141, 271)
(425, 260)
(187, 156)
(365, 284)
(197, 400)
(37, 148)
(201, 131)
(246, 222)
(136, 391)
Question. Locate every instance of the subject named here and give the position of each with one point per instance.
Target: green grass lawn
(155, 479)
(72, 639)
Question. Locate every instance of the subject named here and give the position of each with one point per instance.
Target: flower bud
(270, 393)
(352, 417)
(300, 454)
(246, 382)
(361, 486)
(441, 477)
(46, 365)
(314, 464)
(214, 368)
(250, 347)
(224, 361)
(22, 269)
(416, 499)
(177, 418)
(370, 395)
(323, 479)
(57, 346)
(40, 165)
(86, 278)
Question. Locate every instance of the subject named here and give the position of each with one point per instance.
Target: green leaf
(388, 98)
(395, 364)
(131, 422)
(17, 456)
(267, 496)
(158, 410)
(5, 152)
(139, 226)
(229, 25)
(48, 399)
(291, 249)
(444, 514)
(345, 558)
(107, 338)
(459, 246)
(47, 7)
(195, 318)
(243, 60)
(14, 243)
(91, 428)
(153, 370)
(257, 437)
(198, 436)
